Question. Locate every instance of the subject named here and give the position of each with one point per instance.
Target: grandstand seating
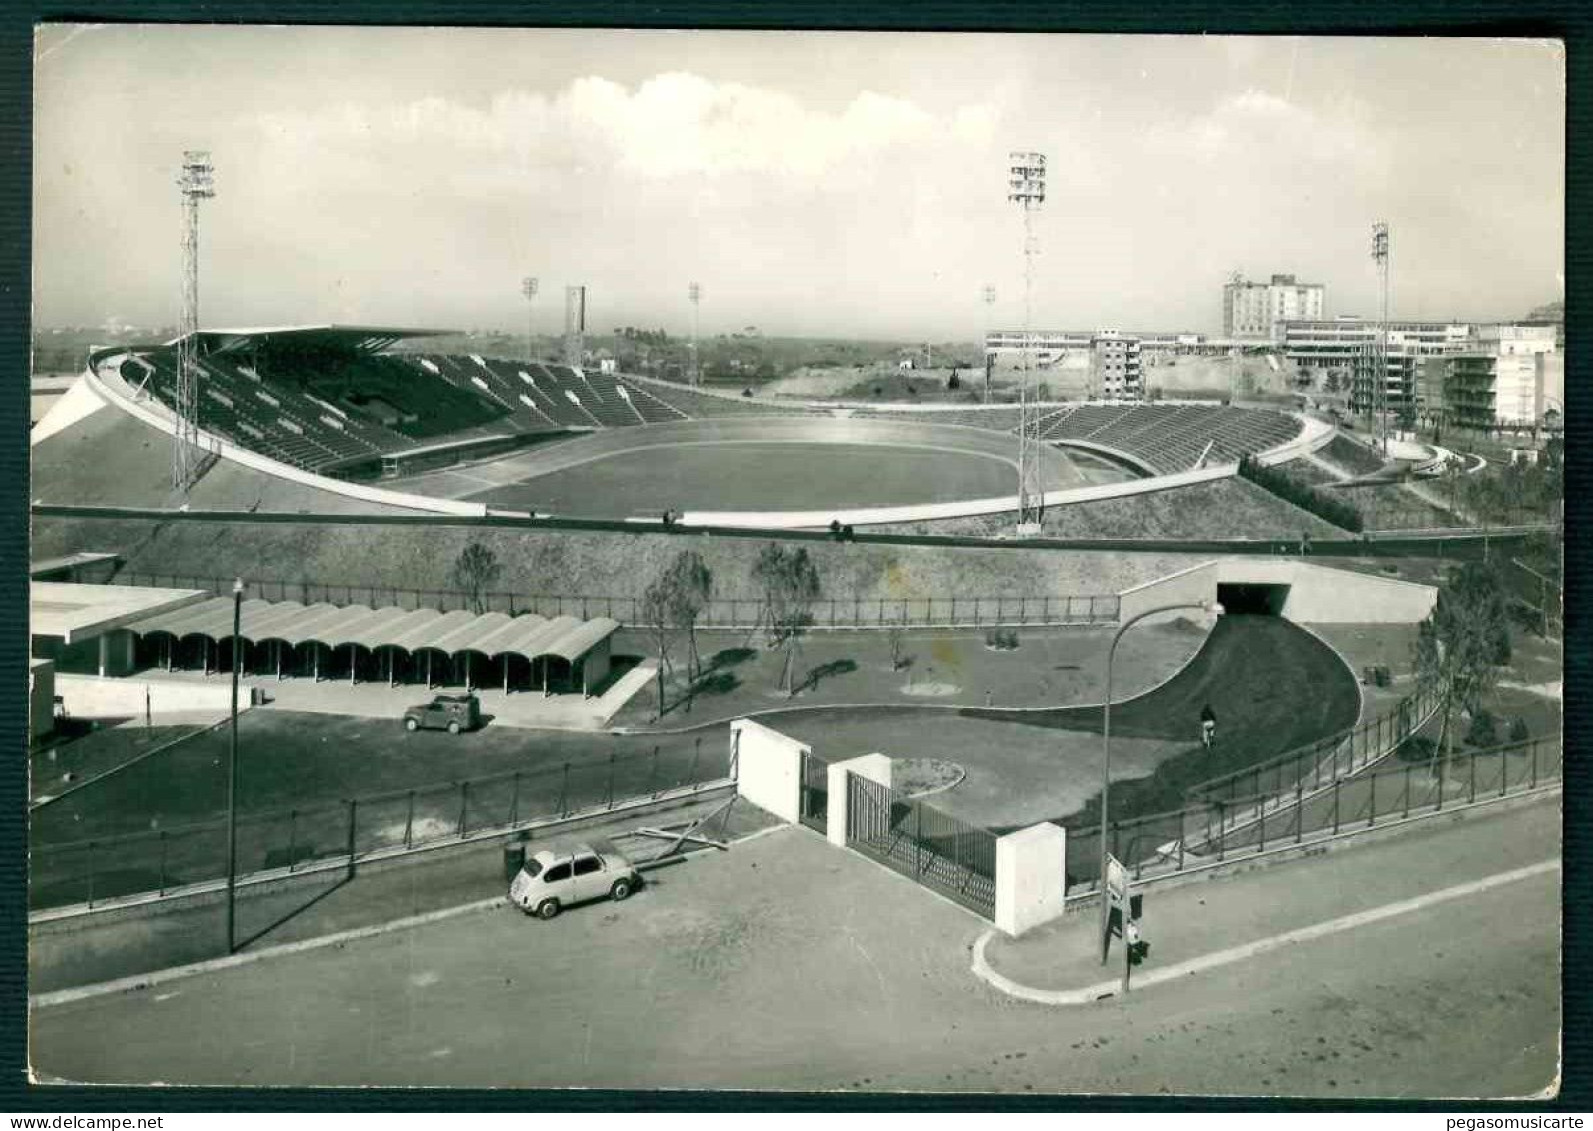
(690, 404)
(1171, 437)
(331, 420)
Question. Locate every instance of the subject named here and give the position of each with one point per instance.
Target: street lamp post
(232, 771)
(1106, 734)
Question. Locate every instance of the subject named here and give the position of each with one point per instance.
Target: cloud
(671, 125)
(1258, 125)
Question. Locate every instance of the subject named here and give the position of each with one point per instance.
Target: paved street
(790, 964)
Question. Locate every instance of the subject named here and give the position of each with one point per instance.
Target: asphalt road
(790, 964)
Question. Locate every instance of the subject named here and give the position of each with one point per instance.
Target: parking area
(787, 963)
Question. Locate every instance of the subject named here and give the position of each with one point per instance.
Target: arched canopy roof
(453, 633)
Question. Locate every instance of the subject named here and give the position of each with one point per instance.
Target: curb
(1083, 995)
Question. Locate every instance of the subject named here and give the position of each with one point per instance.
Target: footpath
(1198, 923)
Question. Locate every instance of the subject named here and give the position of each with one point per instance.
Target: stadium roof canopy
(72, 612)
(413, 630)
(226, 340)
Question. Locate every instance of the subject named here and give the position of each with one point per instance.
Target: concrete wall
(768, 768)
(874, 767)
(1319, 594)
(1195, 584)
(1031, 877)
(595, 664)
(41, 699)
(89, 696)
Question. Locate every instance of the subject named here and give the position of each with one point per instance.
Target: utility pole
(1380, 377)
(1026, 189)
(195, 182)
(990, 299)
(694, 292)
(528, 287)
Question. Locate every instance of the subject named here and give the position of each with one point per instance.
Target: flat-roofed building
(1259, 311)
(1530, 374)
(1457, 390)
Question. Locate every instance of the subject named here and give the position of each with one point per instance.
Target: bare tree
(790, 584)
(1462, 643)
(657, 614)
(688, 585)
(474, 571)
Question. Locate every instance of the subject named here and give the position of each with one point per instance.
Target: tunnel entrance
(1256, 598)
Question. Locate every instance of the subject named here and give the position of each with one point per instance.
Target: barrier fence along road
(1226, 829)
(153, 863)
(1328, 758)
(971, 611)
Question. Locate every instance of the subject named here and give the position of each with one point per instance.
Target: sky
(823, 184)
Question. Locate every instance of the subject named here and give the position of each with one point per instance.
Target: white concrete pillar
(105, 653)
(1031, 877)
(874, 767)
(768, 768)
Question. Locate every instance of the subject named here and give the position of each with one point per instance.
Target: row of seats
(689, 404)
(1171, 438)
(1002, 419)
(275, 420)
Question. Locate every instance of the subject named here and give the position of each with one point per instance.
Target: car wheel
(547, 909)
(411, 724)
(453, 727)
(620, 890)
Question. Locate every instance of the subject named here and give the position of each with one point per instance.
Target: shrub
(1484, 729)
(1338, 511)
(1002, 639)
(1417, 748)
(1519, 731)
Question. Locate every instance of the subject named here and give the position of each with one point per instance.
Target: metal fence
(857, 611)
(1328, 758)
(1214, 832)
(919, 841)
(813, 799)
(97, 869)
(1540, 594)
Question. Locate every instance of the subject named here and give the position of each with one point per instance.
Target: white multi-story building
(1529, 374)
(1258, 311)
(1349, 344)
(1107, 362)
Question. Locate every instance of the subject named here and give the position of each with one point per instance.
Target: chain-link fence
(1216, 831)
(96, 869)
(857, 611)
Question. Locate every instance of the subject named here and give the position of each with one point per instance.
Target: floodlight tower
(694, 292)
(1380, 354)
(574, 325)
(1026, 189)
(528, 287)
(989, 296)
(195, 182)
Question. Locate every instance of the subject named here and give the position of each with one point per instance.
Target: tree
(789, 582)
(688, 583)
(475, 569)
(657, 615)
(1463, 642)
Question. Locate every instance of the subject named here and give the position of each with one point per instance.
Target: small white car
(552, 881)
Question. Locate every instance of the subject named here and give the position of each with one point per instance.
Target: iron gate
(815, 792)
(951, 856)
